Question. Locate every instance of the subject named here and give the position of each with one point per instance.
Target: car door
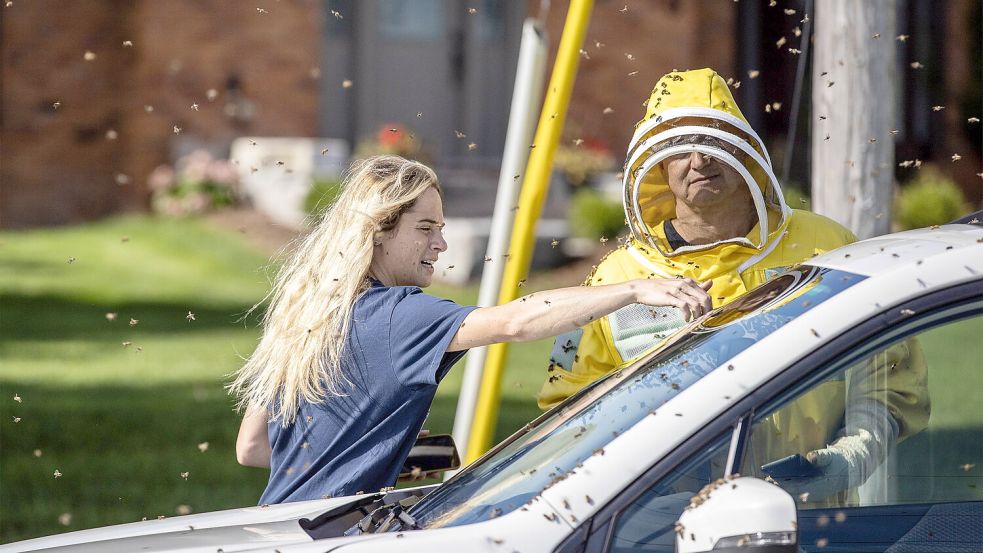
(908, 380)
(902, 460)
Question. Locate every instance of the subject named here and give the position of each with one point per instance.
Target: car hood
(231, 530)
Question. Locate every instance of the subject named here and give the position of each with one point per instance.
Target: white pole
(853, 104)
(527, 96)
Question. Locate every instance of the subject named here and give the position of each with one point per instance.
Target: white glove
(849, 461)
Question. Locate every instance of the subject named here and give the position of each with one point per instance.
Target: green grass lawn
(123, 424)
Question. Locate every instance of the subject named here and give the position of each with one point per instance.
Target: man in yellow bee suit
(702, 202)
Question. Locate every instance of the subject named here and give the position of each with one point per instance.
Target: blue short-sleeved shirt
(395, 356)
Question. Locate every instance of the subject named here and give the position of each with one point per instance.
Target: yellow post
(535, 185)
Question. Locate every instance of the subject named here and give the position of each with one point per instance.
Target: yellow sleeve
(578, 358)
(898, 378)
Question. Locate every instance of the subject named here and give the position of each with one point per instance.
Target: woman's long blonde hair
(306, 326)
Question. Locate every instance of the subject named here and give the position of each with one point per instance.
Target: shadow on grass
(55, 317)
(121, 452)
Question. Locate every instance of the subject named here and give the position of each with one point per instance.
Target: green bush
(929, 199)
(592, 215)
(322, 194)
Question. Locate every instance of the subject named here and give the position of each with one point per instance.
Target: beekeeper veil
(694, 111)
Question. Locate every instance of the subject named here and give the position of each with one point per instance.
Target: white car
(892, 325)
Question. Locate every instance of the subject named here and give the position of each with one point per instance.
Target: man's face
(407, 252)
(702, 181)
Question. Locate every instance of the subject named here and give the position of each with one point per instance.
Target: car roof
(884, 254)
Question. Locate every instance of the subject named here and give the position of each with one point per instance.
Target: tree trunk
(853, 111)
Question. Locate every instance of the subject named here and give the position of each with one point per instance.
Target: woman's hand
(686, 294)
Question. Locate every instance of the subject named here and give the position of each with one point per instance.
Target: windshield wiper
(386, 517)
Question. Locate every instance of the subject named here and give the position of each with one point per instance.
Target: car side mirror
(430, 455)
(739, 515)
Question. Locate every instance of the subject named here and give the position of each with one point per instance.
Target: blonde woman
(352, 349)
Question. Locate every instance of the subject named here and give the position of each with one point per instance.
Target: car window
(531, 460)
(649, 522)
(884, 448)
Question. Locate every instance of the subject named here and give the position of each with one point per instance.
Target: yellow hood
(694, 111)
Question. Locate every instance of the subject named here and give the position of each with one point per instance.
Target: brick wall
(59, 166)
(660, 35)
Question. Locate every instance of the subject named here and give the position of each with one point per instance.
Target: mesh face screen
(636, 327)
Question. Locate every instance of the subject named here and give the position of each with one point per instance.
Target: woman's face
(406, 254)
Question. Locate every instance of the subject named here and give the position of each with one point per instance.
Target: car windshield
(551, 446)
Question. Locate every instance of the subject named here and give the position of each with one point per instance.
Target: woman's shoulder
(387, 298)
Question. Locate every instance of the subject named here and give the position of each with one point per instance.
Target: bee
(194, 107)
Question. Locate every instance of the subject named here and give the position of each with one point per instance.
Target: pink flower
(194, 166)
(161, 178)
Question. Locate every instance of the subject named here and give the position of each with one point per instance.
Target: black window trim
(599, 535)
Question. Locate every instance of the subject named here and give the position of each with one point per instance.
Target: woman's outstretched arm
(553, 312)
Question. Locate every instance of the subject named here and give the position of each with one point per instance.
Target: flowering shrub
(579, 164)
(199, 183)
(393, 138)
